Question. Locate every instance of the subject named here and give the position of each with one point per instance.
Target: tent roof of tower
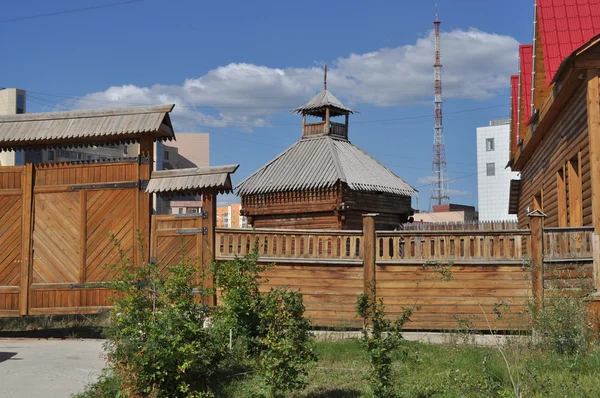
(325, 99)
(323, 162)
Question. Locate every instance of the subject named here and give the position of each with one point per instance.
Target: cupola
(325, 106)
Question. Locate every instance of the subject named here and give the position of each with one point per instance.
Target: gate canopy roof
(85, 127)
(192, 181)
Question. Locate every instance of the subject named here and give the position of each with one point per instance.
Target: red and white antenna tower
(439, 183)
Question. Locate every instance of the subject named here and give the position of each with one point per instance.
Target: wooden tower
(323, 181)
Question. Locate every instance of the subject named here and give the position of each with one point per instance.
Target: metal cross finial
(325, 76)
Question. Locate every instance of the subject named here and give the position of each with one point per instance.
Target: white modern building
(493, 177)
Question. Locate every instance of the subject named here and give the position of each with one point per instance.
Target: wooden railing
(568, 243)
(455, 246)
(318, 128)
(338, 129)
(290, 244)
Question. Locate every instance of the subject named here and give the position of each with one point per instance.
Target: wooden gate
(76, 209)
(179, 236)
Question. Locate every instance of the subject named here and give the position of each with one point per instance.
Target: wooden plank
(26, 242)
(82, 235)
(593, 124)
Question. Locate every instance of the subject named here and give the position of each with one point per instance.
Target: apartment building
(493, 177)
(12, 102)
(230, 217)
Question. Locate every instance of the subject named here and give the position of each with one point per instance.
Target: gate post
(369, 253)
(209, 205)
(145, 205)
(536, 218)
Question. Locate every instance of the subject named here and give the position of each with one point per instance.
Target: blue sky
(235, 68)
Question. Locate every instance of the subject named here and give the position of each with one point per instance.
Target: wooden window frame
(575, 191)
(561, 192)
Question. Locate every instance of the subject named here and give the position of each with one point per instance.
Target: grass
(424, 370)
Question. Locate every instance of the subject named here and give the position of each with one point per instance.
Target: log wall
(567, 139)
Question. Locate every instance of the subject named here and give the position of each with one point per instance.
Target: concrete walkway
(48, 368)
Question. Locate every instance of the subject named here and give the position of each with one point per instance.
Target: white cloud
(457, 192)
(425, 180)
(477, 65)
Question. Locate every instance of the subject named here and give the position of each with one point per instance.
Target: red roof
(514, 97)
(566, 25)
(526, 62)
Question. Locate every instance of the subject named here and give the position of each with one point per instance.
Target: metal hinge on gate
(204, 214)
(143, 184)
(109, 185)
(203, 231)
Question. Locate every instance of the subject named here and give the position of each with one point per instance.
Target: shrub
(381, 337)
(270, 327)
(239, 281)
(563, 324)
(156, 343)
(284, 344)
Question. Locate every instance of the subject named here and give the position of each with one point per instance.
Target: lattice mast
(439, 182)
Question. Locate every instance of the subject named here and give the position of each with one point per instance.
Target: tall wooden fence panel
(76, 208)
(11, 237)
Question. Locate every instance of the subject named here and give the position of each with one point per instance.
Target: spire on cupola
(325, 106)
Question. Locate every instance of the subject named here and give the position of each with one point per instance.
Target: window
(569, 192)
(180, 210)
(125, 150)
(575, 192)
(489, 144)
(50, 155)
(561, 191)
(166, 155)
(490, 169)
(20, 104)
(191, 210)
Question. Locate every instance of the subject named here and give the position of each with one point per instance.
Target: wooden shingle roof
(324, 99)
(192, 180)
(323, 162)
(85, 127)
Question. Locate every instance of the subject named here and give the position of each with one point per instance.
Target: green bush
(381, 338)
(239, 281)
(157, 344)
(269, 327)
(285, 345)
(563, 324)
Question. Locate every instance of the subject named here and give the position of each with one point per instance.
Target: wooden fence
(454, 277)
(568, 259)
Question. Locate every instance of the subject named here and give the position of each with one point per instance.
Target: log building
(323, 181)
(555, 128)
